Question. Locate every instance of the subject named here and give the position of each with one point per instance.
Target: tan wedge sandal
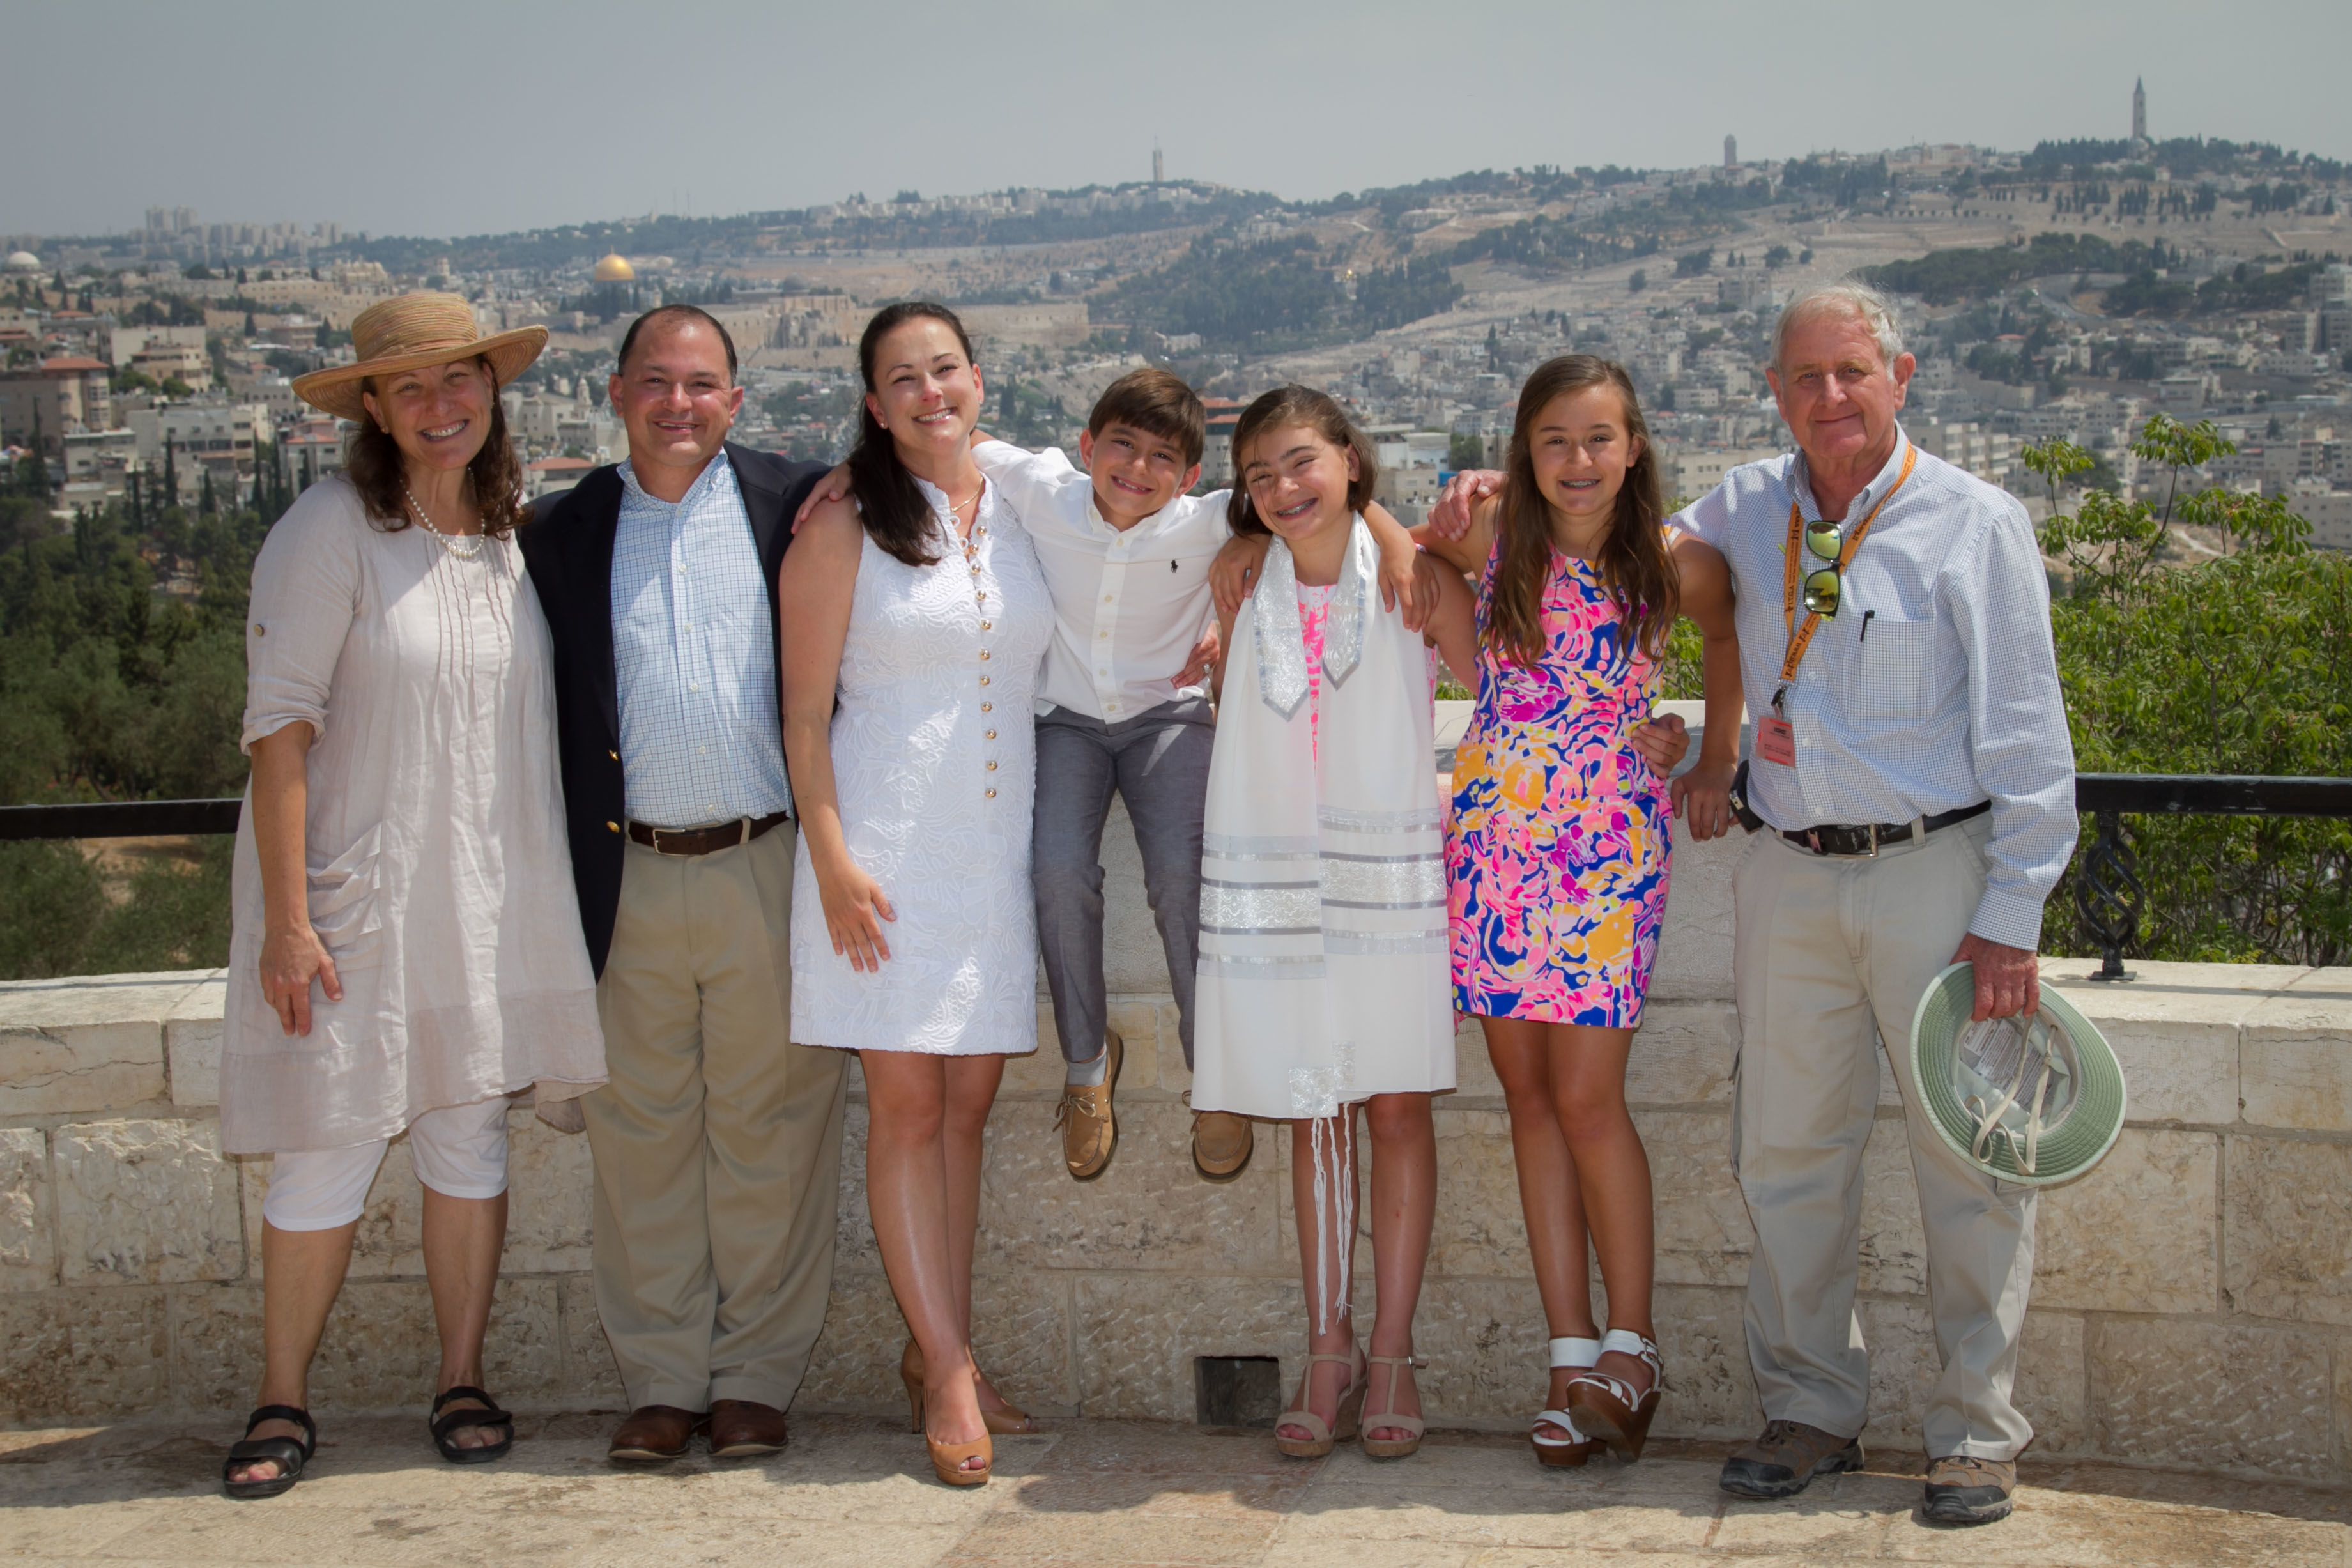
(1390, 1419)
(1325, 1437)
(1608, 1406)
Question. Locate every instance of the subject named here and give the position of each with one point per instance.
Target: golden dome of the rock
(616, 269)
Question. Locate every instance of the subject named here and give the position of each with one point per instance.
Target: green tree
(2236, 665)
(33, 472)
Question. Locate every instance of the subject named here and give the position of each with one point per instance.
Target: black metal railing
(119, 819)
(2108, 893)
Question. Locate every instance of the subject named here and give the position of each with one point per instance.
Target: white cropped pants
(459, 1151)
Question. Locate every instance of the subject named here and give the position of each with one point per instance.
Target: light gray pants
(1829, 957)
(1159, 762)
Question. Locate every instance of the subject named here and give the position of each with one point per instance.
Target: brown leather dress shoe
(1089, 1129)
(1222, 1143)
(742, 1427)
(655, 1435)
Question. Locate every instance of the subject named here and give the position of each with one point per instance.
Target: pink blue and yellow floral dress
(1556, 855)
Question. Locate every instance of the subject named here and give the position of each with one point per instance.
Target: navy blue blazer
(567, 544)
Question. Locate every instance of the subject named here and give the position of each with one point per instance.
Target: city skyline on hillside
(796, 110)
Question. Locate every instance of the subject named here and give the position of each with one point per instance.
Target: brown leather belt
(703, 840)
(1861, 842)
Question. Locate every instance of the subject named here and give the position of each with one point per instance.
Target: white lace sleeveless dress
(934, 762)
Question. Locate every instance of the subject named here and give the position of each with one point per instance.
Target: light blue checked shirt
(1934, 687)
(694, 657)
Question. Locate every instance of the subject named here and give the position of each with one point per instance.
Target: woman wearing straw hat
(406, 950)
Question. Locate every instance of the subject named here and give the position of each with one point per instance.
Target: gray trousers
(1829, 958)
(1159, 762)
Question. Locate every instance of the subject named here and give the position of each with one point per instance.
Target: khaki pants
(1829, 958)
(717, 1141)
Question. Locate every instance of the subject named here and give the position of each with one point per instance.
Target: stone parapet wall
(2192, 1307)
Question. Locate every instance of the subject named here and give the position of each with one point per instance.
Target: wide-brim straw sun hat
(2036, 1100)
(412, 331)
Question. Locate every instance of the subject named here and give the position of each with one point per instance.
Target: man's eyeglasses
(1824, 540)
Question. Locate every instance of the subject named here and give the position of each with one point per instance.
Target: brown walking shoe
(742, 1427)
(1089, 1130)
(1783, 1460)
(1221, 1144)
(655, 1435)
(1964, 1489)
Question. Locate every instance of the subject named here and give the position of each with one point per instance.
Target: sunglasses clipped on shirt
(1823, 540)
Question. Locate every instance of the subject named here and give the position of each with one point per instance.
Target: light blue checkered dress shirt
(1934, 687)
(694, 657)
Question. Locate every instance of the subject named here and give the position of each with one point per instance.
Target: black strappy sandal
(458, 1420)
(287, 1454)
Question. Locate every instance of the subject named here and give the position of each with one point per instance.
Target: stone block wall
(2192, 1305)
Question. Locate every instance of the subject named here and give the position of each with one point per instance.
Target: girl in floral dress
(1556, 853)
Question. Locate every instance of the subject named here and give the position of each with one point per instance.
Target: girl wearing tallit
(1324, 980)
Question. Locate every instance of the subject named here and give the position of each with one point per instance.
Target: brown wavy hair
(1634, 565)
(1319, 412)
(378, 473)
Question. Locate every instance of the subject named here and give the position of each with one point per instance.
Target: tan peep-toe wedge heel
(1608, 1407)
(947, 1459)
(1390, 1419)
(1342, 1430)
(1011, 1421)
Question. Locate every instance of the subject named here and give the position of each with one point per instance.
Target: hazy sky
(431, 118)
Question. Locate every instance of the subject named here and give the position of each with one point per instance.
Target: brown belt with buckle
(703, 840)
(1861, 842)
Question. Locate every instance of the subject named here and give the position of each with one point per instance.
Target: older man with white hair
(1912, 762)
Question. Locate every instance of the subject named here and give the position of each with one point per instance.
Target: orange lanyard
(1801, 637)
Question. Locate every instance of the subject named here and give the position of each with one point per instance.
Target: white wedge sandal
(1610, 1407)
(1565, 1453)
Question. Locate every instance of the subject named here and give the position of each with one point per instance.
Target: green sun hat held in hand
(2036, 1100)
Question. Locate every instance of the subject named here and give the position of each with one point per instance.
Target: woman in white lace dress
(920, 607)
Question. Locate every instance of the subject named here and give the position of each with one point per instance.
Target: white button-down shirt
(1934, 687)
(694, 657)
(1128, 606)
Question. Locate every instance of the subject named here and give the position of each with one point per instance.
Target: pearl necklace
(466, 551)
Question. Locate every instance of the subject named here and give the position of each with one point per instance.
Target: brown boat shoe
(1221, 1144)
(1089, 1126)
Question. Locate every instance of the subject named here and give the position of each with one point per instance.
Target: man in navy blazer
(717, 1141)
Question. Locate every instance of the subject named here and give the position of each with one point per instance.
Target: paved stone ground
(853, 1489)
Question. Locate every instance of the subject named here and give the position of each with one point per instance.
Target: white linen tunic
(439, 878)
(934, 766)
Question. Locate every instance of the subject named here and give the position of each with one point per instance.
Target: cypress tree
(39, 471)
